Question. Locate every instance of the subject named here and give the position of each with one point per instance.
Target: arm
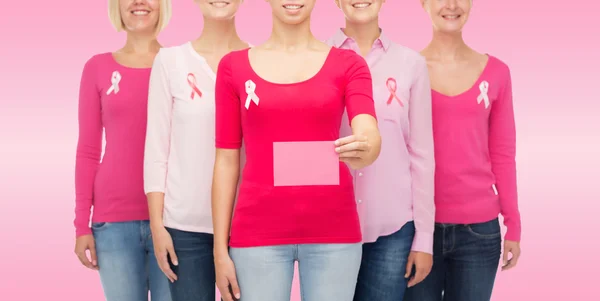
(156, 156)
(363, 146)
(225, 181)
(502, 148)
(422, 162)
(158, 138)
(89, 148)
(89, 151)
(228, 140)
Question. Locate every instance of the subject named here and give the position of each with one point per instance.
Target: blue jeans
(327, 271)
(127, 266)
(196, 269)
(383, 266)
(465, 263)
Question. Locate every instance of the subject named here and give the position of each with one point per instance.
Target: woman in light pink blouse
(394, 195)
(180, 151)
(113, 101)
(475, 179)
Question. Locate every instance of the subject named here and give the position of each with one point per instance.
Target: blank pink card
(305, 163)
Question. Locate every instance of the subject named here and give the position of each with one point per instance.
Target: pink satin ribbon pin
(192, 82)
(392, 87)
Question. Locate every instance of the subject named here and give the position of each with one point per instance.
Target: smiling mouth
(451, 17)
(140, 12)
(293, 6)
(219, 3)
(361, 5)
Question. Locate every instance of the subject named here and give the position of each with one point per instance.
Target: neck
(218, 35)
(291, 36)
(364, 34)
(141, 43)
(447, 46)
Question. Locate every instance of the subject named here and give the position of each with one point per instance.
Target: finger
(505, 256)
(349, 160)
(165, 267)
(84, 259)
(409, 267)
(419, 276)
(93, 255)
(235, 288)
(511, 262)
(172, 255)
(345, 140)
(356, 145)
(352, 154)
(225, 293)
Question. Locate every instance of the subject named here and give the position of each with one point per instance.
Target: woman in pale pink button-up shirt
(394, 195)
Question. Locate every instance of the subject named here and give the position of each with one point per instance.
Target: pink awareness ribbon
(392, 87)
(191, 79)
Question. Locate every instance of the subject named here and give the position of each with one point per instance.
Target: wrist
(156, 225)
(220, 252)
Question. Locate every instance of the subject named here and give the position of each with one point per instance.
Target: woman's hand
(226, 279)
(353, 150)
(422, 262)
(82, 245)
(514, 248)
(164, 250)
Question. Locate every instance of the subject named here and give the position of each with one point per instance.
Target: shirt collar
(340, 38)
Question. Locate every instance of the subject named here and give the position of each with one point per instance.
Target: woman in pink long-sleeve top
(474, 136)
(394, 195)
(113, 100)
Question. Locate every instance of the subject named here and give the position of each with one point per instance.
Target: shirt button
(360, 174)
(359, 201)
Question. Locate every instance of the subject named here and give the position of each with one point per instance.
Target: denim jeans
(383, 266)
(327, 271)
(127, 266)
(196, 269)
(465, 263)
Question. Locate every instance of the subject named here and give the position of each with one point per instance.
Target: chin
(293, 20)
(221, 16)
(449, 28)
(141, 28)
(450, 31)
(361, 19)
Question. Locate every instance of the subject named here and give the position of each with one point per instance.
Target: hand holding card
(352, 149)
(305, 163)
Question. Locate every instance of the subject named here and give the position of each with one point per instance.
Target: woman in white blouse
(180, 152)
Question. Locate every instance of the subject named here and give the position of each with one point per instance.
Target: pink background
(548, 45)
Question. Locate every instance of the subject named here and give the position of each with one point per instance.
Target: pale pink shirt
(399, 186)
(180, 137)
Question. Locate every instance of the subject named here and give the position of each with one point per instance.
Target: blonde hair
(114, 15)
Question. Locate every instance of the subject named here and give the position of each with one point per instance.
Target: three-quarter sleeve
(158, 130)
(89, 147)
(359, 86)
(228, 125)
(502, 148)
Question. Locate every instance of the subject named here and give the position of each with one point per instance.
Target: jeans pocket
(489, 229)
(99, 226)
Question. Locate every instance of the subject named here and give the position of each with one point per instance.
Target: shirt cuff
(82, 231)
(513, 233)
(423, 242)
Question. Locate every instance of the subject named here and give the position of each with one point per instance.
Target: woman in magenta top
(285, 100)
(113, 101)
(474, 137)
(395, 194)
